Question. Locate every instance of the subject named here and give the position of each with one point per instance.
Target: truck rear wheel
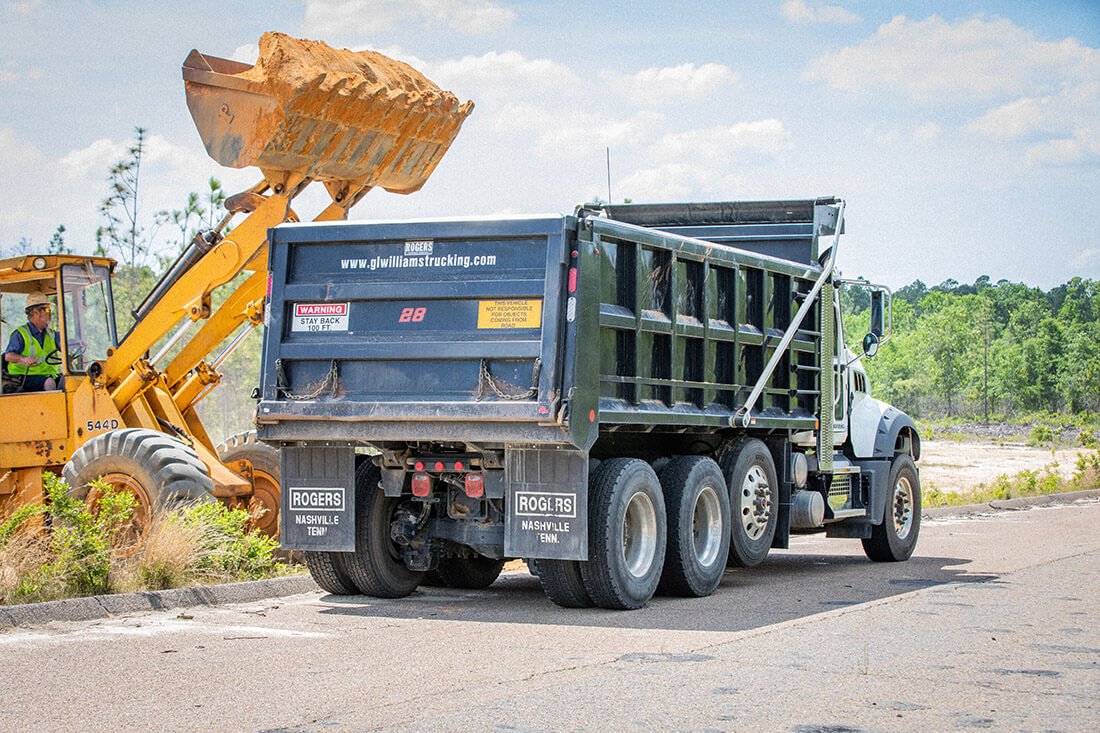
(265, 476)
(754, 501)
(328, 571)
(376, 567)
(896, 538)
(562, 583)
(698, 507)
(159, 470)
(627, 534)
(472, 573)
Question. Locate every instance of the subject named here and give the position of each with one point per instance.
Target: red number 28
(412, 315)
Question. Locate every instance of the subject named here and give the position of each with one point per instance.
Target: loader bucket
(329, 114)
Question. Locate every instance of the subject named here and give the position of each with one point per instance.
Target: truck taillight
(421, 484)
(269, 286)
(475, 486)
(572, 279)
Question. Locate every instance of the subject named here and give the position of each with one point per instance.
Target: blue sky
(965, 136)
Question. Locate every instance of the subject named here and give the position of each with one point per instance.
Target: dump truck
(125, 407)
(629, 397)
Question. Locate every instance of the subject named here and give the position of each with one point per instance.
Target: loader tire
(626, 534)
(376, 567)
(328, 571)
(160, 471)
(265, 478)
(471, 573)
(895, 539)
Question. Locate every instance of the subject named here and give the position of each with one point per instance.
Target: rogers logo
(418, 247)
(545, 504)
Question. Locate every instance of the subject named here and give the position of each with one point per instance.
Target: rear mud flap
(546, 503)
(318, 499)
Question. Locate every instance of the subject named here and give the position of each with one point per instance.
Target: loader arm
(304, 113)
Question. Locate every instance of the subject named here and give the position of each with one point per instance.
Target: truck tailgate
(382, 324)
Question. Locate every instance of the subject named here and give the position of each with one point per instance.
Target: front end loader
(125, 409)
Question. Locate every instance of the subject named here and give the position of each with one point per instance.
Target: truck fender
(896, 434)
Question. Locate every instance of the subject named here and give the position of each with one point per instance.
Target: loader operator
(30, 346)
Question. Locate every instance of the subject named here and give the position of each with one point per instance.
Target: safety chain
(486, 378)
(329, 383)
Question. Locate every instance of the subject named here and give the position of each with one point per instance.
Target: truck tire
(376, 567)
(265, 475)
(328, 571)
(698, 511)
(895, 539)
(562, 583)
(471, 573)
(754, 501)
(159, 470)
(626, 534)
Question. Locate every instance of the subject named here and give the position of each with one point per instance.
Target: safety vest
(31, 347)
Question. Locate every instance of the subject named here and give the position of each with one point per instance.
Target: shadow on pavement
(786, 586)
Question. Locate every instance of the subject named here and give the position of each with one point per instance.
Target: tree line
(986, 350)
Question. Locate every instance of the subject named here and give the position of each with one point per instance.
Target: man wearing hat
(31, 344)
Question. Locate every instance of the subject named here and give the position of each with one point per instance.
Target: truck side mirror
(876, 317)
(870, 344)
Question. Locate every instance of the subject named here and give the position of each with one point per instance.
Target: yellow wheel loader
(124, 406)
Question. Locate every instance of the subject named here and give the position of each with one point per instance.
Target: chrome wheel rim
(706, 526)
(756, 503)
(903, 507)
(639, 535)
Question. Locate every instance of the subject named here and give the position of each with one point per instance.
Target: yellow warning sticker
(509, 313)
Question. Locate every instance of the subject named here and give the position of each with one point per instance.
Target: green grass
(65, 548)
(1086, 475)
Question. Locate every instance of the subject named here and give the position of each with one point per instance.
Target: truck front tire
(895, 539)
(470, 573)
(562, 583)
(376, 567)
(754, 501)
(627, 534)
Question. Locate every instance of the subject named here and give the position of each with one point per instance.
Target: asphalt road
(993, 625)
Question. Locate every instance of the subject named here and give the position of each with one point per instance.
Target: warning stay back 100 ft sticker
(320, 317)
(509, 313)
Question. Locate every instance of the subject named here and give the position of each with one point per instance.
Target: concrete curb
(99, 607)
(1024, 502)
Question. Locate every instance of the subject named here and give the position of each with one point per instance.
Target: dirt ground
(951, 466)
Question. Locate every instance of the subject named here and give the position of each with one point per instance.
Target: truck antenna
(608, 149)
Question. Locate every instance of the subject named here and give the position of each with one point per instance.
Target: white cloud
(797, 11)
(762, 136)
(246, 54)
(95, 158)
(25, 7)
(976, 59)
(1087, 259)
(1045, 95)
(332, 17)
(672, 83)
(680, 182)
(504, 74)
(927, 131)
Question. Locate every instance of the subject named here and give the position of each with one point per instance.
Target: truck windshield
(89, 327)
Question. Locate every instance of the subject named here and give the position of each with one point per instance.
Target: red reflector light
(475, 486)
(439, 465)
(458, 465)
(420, 465)
(269, 286)
(421, 484)
(572, 279)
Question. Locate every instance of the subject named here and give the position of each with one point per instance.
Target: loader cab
(83, 309)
